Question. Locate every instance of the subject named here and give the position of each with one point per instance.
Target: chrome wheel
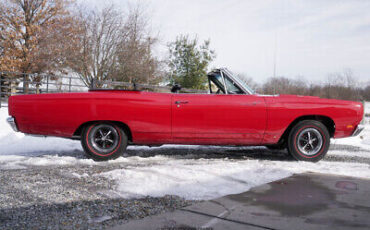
(309, 141)
(104, 138)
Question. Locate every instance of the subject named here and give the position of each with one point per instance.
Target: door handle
(251, 103)
(181, 102)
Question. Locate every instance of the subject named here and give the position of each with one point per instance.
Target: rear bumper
(358, 130)
(11, 122)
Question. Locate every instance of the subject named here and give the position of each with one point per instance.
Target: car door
(218, 119)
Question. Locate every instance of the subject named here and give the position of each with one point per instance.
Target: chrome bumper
(11, 122)
(358, 130)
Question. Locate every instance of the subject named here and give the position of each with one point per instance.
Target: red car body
(229, 114)
(165, 118)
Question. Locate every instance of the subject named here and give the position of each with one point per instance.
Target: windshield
(239, 81)
(232, 87)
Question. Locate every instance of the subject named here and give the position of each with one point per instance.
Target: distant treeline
(338, 86)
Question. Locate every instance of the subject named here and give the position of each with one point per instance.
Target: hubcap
(104, 138)
(309, 141)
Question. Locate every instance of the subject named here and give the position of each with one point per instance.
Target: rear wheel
(104, 141)
(309, 141)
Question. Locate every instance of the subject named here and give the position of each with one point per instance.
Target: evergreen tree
(189, 61)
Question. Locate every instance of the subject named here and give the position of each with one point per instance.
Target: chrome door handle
(181, 102)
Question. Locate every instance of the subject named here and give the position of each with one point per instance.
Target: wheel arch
(325, 120)
(77, 134)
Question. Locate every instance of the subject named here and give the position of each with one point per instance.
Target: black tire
(103, 141)
(309, 140)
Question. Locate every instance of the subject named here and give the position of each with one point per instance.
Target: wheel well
(327, 121)
(122, 125)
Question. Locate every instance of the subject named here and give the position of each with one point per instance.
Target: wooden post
(47, 83)
(70, 82)
(13, 87)
(92, 84)
(24, 83)
(1, 89)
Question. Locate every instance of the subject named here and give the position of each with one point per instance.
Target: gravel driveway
(58, 198)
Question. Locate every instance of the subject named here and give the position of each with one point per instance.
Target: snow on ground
(367, 108)
(208, 179)
(193, 172)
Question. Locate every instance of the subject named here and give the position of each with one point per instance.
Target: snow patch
(367, 107)
(209, 179)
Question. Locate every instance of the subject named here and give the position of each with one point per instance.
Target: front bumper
(11, 122)
(358, 130)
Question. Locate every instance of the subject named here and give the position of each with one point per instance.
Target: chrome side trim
(358, 130)
(11, 122)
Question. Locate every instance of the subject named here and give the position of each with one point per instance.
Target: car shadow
(214, 152)
(347, 148)
(79, 154)
(211, 152)
(181, 152)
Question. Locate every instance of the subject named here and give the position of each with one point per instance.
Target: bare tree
(135, 57)
(337, 85)
(366, 93)
(278, 85)
(249, 81)
(115, 46)
(99, 40)
(341, 85)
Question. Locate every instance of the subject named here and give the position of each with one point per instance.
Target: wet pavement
(302, 201)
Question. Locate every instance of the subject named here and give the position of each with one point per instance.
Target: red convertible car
(106, 121)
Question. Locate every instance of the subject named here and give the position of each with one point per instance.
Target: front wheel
(309, 141)
(103, 141)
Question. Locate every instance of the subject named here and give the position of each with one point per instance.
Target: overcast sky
(313, 37)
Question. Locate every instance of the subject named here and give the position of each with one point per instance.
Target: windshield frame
(237, 80)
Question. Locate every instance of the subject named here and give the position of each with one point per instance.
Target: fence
(13, 83)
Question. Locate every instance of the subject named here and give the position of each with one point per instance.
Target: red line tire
(103, 141)
(309, 140)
